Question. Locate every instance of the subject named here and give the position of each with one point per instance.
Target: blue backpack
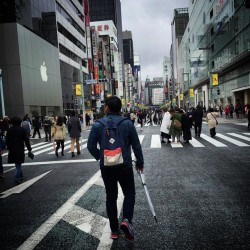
(112, 144)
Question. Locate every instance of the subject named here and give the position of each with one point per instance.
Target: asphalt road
(200, 194)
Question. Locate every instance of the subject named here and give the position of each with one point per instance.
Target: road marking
(50, 162)
(155, 141)
(196, 143)
(141, 138)
(213, 141)
(67, 147)
(18, 189)
(45, 228)
(238, 143)
(176, 145)
(240, 136)
(246, 133)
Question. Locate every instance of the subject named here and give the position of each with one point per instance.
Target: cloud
(150, 24)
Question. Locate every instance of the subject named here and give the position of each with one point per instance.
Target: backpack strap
(104, 121)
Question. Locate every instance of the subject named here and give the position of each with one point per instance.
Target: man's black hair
(114, 104)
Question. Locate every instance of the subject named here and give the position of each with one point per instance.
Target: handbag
(177, 123)
(215, 119)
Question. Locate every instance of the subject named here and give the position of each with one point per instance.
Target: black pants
(197, 128)
(125, 176)
(212, 132)
(47, 132)
(58, 143)
(34, 133)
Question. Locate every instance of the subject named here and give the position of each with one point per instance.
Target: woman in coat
(15, 139)
(74, 128)
(211, 121)
(175, 132)
(165, 125)
(59, 134)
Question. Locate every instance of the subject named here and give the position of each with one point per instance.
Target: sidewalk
(237, 121)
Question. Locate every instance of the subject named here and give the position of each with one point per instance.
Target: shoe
(186, 141)
(128, 230)
(57, 153)
(72, 154)
(62, 153)
(78, 152)
(115, 235)
(162, 141)
(172, 141)
(178, 141)
(196, 135)
(169, 141)
(46, 140)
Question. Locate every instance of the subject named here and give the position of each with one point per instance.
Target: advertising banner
(78, 89)
(215, 80)
(191, 92)
(181, 97)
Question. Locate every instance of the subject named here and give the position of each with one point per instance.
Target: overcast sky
(150, 23)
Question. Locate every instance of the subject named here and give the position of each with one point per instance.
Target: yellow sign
(215, 80)
(123, 101)
(191, 92)
(181, 97)
(78, 89)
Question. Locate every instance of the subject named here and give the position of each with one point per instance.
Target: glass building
(42, 52)
(216, 53)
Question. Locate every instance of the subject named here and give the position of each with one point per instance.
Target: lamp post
(2, 96)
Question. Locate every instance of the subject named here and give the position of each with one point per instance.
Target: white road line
(45, 228)
(50, 162)
(196, 143)
(246, 133)
(240, 136)
(213, 141)
(138, 126)
(176, 145)
(67, 147)
(155, 141)
(226, 138)
(141, 137)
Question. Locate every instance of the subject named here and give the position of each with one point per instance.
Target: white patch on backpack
(112, 140)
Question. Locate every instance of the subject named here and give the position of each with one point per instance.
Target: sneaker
(128, 230)
(72, 154)
(78, 152)
(115, 235)
(162, 141)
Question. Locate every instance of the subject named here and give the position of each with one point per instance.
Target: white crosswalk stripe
(238, 143)
(176, 145)
(195, 143)
(155, 141)
(213, 141)
(67, 147)
(240, 136)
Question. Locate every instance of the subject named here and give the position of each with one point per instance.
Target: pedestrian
(47, 128)
(87, 118)
(221, 110)
(74, 128)
(174, 130)
(133, 117)
(36, 125)
(197, 119)
(59, 134)
(186, 125)
(140, 118)
(26, 118)
(231, 110)
(4, 126)
(165, 126)
(15, 139)
(227, 111)
(212, 121)
(121, 173)
(26, 125)
(2, 148)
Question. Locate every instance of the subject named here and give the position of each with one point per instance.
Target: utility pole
(83, 101)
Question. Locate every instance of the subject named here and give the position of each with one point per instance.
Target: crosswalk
(153, 141)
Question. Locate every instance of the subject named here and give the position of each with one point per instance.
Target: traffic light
(218, 91)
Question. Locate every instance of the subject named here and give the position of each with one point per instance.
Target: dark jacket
(130, 137)
(198, 115)
(186, 125)
(15, 139)
(74, 127)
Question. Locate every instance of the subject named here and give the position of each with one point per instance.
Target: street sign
(91, 81)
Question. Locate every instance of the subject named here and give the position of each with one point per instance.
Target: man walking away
(27, 126)
(197, 119)
(121, 172)
(36, 126)
(47, 128)
(15, 139)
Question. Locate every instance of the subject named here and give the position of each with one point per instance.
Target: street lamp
(2, 96)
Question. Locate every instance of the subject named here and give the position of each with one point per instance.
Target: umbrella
(141, 175)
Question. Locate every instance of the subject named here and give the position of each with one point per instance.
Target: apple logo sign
(43, 71)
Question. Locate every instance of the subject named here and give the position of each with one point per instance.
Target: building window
(212, 48)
